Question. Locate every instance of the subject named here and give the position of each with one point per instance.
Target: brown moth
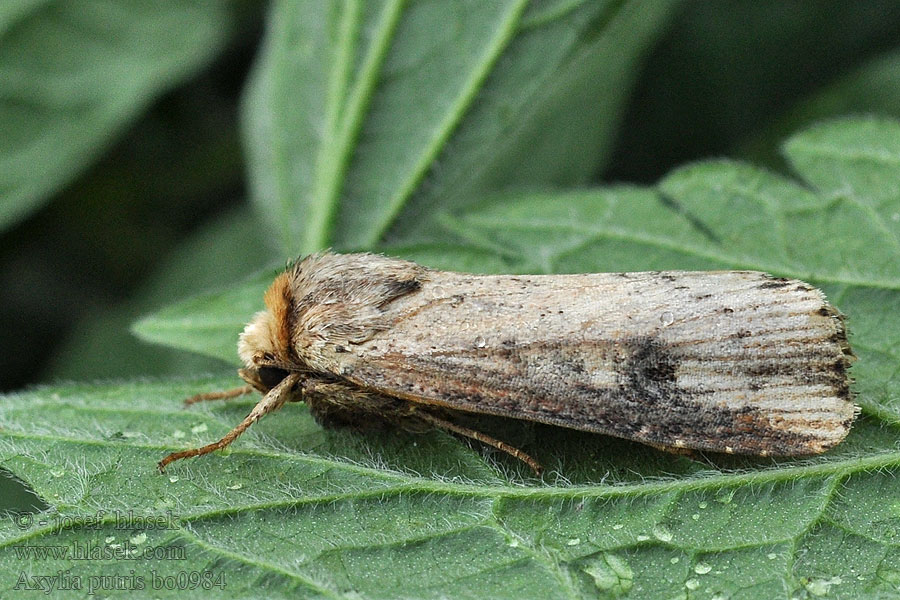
(727, 361)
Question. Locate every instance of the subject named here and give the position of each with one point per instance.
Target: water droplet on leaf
(611, 574)
(662, 533)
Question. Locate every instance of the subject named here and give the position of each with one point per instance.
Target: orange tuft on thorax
(279, 301)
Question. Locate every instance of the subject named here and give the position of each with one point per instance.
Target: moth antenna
(272, 401)
(484, 439)
(222, 395)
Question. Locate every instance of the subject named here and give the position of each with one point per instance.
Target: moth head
(257, 347)
(258, 340)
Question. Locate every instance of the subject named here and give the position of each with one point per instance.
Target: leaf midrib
(346, 125)
(505, 33)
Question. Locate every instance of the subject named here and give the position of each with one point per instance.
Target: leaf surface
(299, 510)
(293, 509)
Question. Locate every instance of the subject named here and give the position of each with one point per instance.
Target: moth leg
(336, 403)
(272, 401)
(484, 439)
(253, 383)
(222, 395)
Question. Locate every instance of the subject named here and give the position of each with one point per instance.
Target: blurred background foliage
(123, 178)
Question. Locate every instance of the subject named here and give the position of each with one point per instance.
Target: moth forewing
(730, 361)
(725, 361)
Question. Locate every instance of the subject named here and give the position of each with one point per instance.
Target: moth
(726, 361)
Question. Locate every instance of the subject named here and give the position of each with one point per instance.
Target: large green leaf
(362, 115)
(297, 510)
(75, 73)
(293, 509)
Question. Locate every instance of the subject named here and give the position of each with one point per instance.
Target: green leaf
(208, 323)
(723, 214)
(388, 104)
(75, 73)
(297, 510)
(338, 513)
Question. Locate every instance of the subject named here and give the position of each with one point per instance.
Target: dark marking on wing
(775, 283)
(395, 288)
(647, 371)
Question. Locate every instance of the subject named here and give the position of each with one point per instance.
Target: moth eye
(271, 376)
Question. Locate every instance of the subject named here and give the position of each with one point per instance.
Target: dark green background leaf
(216, 256)
(75, 73)
(873, 88)
(387, 104)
